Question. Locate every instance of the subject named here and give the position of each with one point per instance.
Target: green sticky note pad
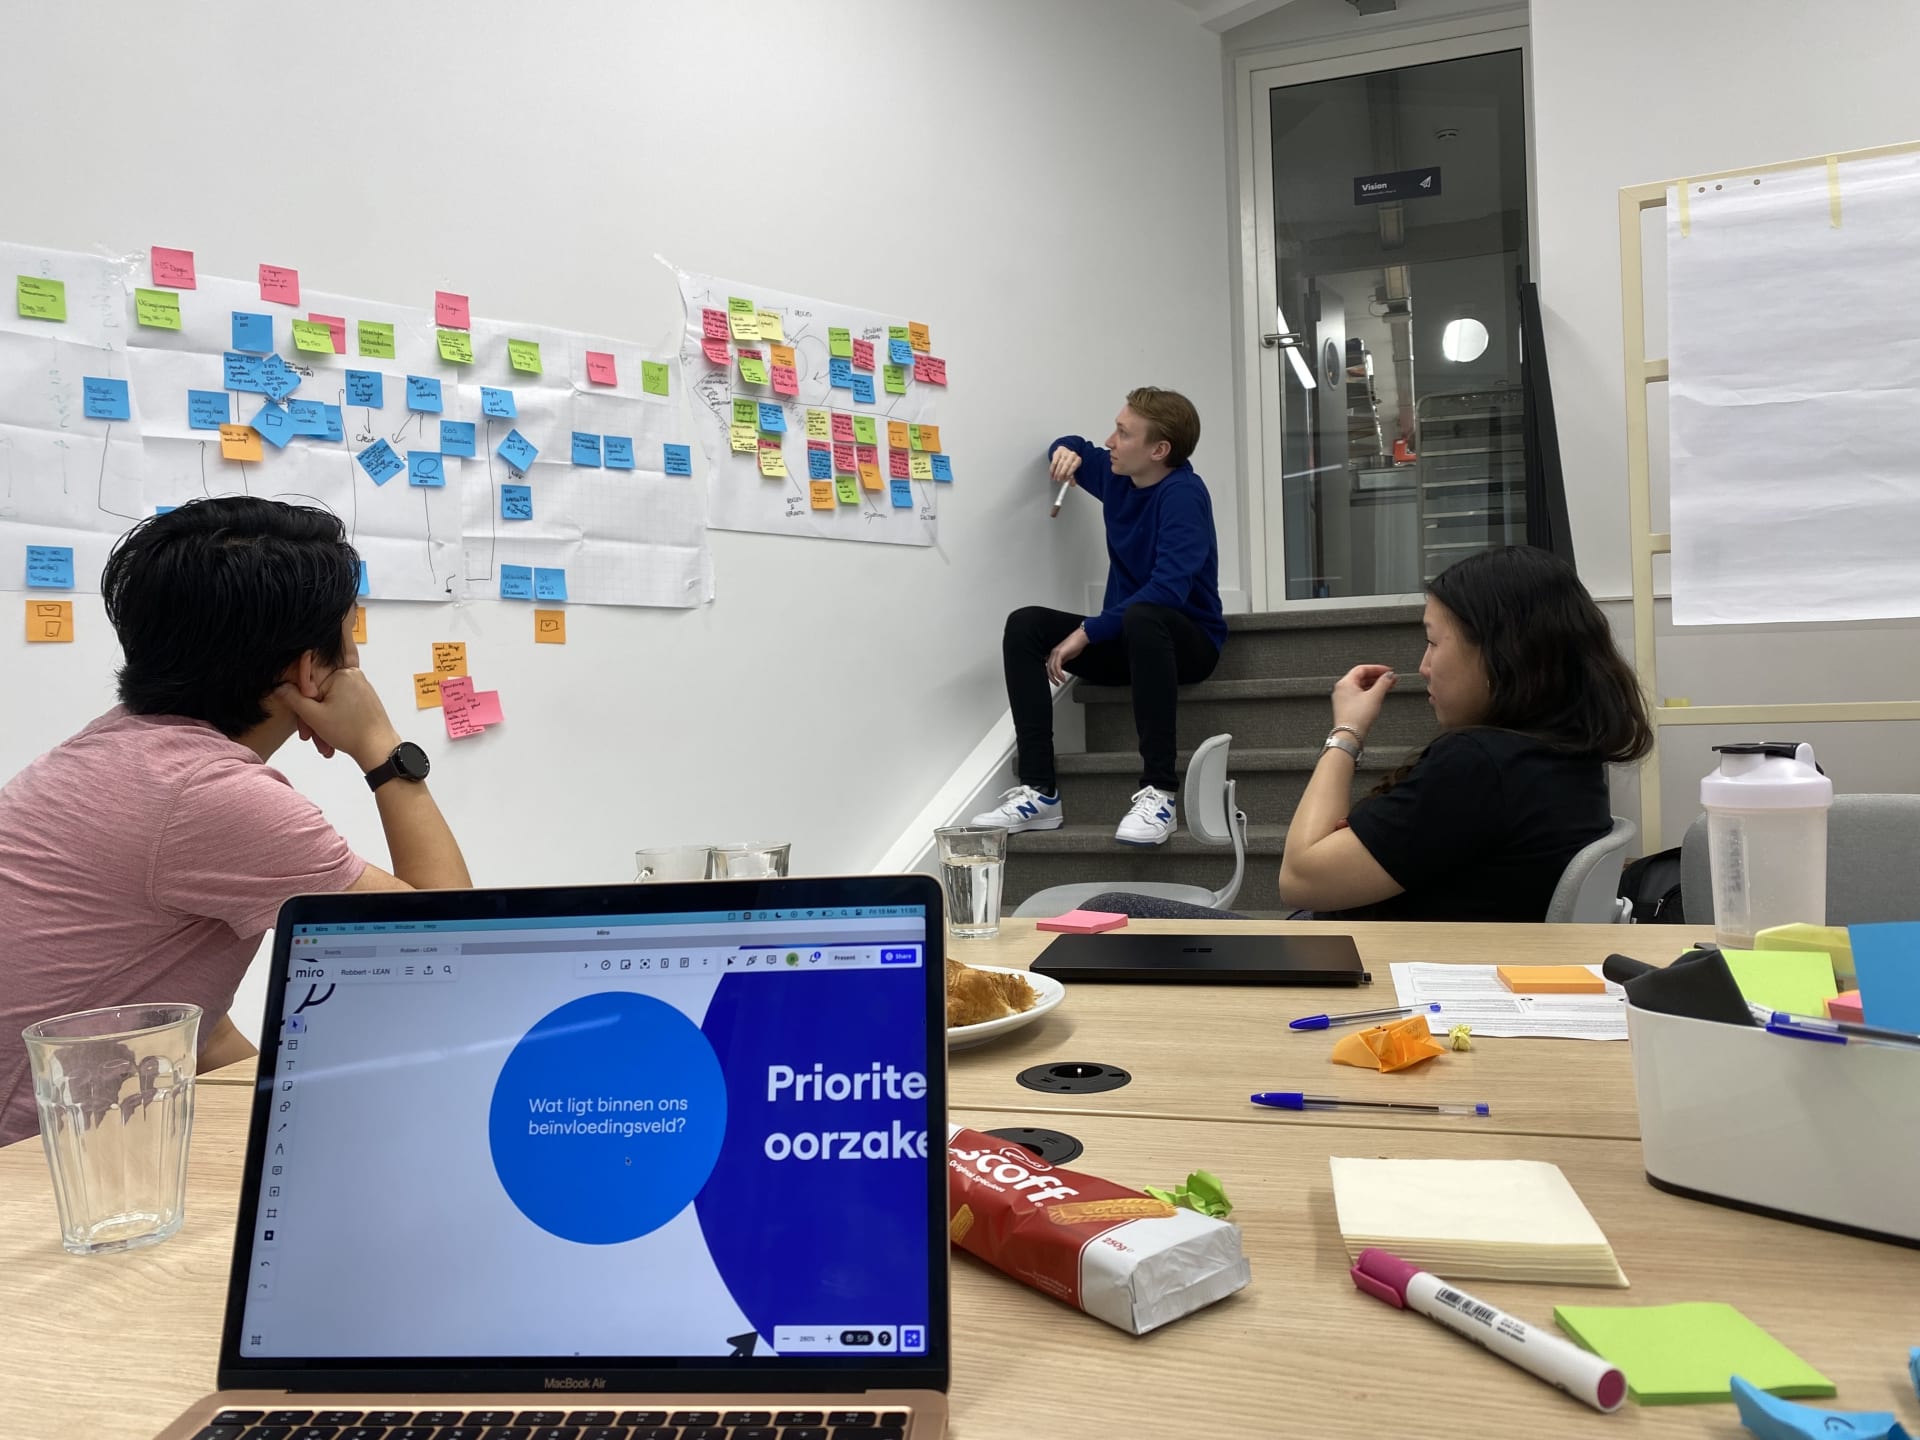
(40, 299)
(899, 332)
(312, 335)
(840, 342)
(1799, 981)
(849, 490)
(157, 309)
(746, 412)
(653, 377)
(457, 346)
(376, 339)
(1685, 1354)
(525, 355)
(753, 372)
(863, 430)
(896, 376)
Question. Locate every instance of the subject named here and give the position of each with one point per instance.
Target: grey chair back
(1873, 862)
(1590, 884)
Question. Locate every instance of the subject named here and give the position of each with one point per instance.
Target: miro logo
(309, 972)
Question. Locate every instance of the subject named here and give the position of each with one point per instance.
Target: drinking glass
(972, 863)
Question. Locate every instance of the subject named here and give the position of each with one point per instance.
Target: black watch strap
(407, 762)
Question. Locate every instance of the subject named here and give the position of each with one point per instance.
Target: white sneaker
(1024, 808)
(1151, 821)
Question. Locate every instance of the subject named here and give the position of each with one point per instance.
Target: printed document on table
(1473, 995)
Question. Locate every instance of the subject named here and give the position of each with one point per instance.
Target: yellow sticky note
(780, 354)
(772, 463)
(920, 467)
(1798, 981)
(821, 493)
(913, 433)
(157, 309)
(771, 329)
(312, 335)
(457, 346)
(359, 624)
(753, 371)
(743, 318)
(930, 439)
(918, 337)
(426, 690)
(239, 442)
(897, 434)
(819, 425)
(49, 622)
(745, 438)
(870, 476)
(848, 492)
(525, 355)
(449, 657)
(40, 299)
(550, 627)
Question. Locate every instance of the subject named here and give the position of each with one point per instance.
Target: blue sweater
(1160, 543)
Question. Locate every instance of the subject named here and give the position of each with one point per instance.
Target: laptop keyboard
(556, 1425)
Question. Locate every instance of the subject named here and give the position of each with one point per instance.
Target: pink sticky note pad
(715, 351)
(713, 324)
(1074, 922)
(863, 355)
(785, 381)
(335, 323)
(600, 368)
(279, 284)
(1846, 1006)
(173, 269)
(450, 311)
(485, 709)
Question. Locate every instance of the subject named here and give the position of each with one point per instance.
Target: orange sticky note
(897, 435)
(359, 624)
(49, 622)
(449, 657)
(930, 439)
(781, 354)
(918, 337)
(870, 474)
(239, 442)
(822, 494)
(1389, 1047)
(426, 690)
(550, 627)
(1551, 980)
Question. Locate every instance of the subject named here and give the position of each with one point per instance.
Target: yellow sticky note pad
(846, 490)
(426, 690)
(920, 467)
(918, 337)
(550, 627)
(771, 329)
(821, 492)
(819, 425)
(449, 657)
(359, 624)
(49, 622)
(239, 442)
(1542, 979)
(456, 346)
(745, 438)
(742, 318)
(772, 463)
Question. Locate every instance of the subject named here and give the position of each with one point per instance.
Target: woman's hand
(1359, 694)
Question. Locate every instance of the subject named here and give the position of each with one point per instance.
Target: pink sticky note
(1846, 1006)
(785, 381)
(715, 351)
(930, 370)
(485, 709)
(868, 454)
(172, 269)
(1074, 922)
(863, 355)
(279, 284)
(843, 462)
(843, 429)
(713, 324)
(600, 369)
(337, 325)
(450, 311)
(899, 465)
(456, 702)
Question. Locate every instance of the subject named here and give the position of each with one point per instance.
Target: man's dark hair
(213, 601)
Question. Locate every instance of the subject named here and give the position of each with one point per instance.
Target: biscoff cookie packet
(1125, 1257)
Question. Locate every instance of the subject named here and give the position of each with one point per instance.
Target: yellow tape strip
(1833, 190)
(1686, 220)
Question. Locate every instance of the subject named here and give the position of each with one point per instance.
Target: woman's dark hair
(1551, 662)
(213, 601)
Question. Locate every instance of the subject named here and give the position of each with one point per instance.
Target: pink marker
(1586, 1377)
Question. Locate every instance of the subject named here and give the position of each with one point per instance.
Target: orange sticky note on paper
(897, 436)
(918, 337)
(822, 495)
(49, 622)
(550, 627)
(930, 439)
(1389, 1047)
(1551, 980)
(426, 690)
(359, 624)
(239, 442)
(449, 657)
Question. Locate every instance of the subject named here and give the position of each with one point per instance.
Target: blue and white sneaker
(1151, 821)
(1024, 808)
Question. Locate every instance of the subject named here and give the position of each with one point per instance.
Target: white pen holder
(1802, 1130)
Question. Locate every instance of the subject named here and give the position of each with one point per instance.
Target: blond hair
(1170, 416)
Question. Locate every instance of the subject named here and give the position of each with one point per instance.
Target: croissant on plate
(974, 996)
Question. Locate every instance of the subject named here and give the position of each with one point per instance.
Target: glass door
(1398, 205)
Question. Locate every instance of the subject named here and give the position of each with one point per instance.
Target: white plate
(1050, 991)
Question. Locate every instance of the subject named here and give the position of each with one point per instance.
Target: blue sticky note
(363, 567)
(516, 582)
(456, 438)
(863, 389)
(50, 567)
(243, 373)
(819, 464)
(619, 451)
(207, 409)
(586, 449)
(900, 352)
(516, 502)
(278, 378)
(336, 430)
(1886, 966)
(679, 459)
(840, 373)
(1771, 1418)
(309, 417)
(517, 451)
(380, 462)
(498, 403)
(368, 388)
(549, 584)
(1913, 1367)
(423, 394)
(274, 424)
(164, 509)
(425, 469)
(105, 399)
(252, 332)
(773, 418)
(902, 494)
(942, 467)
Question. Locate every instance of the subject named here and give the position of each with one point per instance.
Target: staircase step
(1268, 783)
(1083, 854)
(1287, 713)
(1296, 643)
(1098, 839)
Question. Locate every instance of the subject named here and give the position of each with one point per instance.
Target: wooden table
(1198, 1051)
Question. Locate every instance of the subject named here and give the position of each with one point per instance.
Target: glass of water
(672, 862)
(972, 860)
(115, 1092)
(750, 862)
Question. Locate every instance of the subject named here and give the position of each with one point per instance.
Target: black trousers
(1159, 650)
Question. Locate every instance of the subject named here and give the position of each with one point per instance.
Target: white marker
(1060, 499)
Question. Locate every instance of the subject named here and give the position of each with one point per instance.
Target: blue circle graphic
(607, 1118)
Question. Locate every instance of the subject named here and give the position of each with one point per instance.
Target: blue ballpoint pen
(1358, 1017)
(1833, 1032)
(1295, 1100)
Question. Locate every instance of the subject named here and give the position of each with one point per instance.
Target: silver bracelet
(1340, 742)
(1351, 730)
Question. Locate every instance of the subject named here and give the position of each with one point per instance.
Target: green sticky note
(752, 371)
(40, 299)
(899, 332)
(653, 376)
(457, 346)
(863, 430)
(157, 309)
(375, 339)
(840, 342)
(746, 412)
(896, 377)
(525, 355)
(1798, 981)
(312, 335)
(1202, 1192)
(915, 438)
(1685, 1354)
(849, 490)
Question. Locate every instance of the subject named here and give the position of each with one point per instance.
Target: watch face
(410, 761)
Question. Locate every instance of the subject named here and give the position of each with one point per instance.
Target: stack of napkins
(1466, 1219)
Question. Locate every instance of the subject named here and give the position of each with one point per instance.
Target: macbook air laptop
(1216, 958)
(606, 1163)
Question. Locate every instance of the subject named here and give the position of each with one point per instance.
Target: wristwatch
(407, 762)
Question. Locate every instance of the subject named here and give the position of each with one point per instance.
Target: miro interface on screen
(699, 1134)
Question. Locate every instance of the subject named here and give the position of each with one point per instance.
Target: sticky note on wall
(450, 657)
(550, 627)
(49, 622)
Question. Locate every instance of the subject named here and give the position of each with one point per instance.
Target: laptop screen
(696, 1134)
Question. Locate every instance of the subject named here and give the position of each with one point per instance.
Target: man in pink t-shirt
(144, 858)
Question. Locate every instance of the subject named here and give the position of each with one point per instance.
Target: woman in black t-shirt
(1533, 702)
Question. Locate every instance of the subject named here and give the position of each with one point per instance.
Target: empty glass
(673, 862)
(750, 862)
(972, 863)
(115, 1091)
